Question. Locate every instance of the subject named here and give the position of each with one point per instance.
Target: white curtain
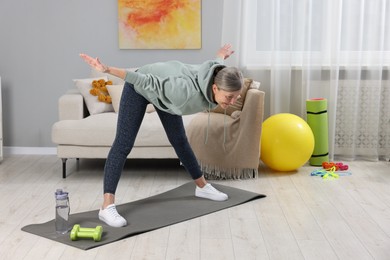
(333, 49)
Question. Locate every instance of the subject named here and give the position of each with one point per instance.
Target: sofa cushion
(100, 129)
(94, 106)
(115, 92)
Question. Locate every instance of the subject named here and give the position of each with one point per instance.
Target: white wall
(39, 45)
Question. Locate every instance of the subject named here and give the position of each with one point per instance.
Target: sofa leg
(64, 167)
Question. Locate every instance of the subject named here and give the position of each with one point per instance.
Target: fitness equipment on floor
(317, 119)
(79, 232)
(287, 142)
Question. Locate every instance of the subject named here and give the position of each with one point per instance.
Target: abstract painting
(159, 24)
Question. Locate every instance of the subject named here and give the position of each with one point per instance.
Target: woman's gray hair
(229, 79)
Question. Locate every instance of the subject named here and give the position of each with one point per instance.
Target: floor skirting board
(12, 150)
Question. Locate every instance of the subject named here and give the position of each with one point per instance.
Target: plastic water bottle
(62, 211)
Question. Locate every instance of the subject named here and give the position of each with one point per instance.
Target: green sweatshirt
(175, 87)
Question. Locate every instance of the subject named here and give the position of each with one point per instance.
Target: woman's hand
(225, 51)
(94, 63)
(97, 65)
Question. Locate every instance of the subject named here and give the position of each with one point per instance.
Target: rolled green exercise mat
(317, 119)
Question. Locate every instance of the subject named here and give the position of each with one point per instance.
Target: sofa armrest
(252, 113)
(71, 106)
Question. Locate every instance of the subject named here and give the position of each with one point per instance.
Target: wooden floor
(303, 217)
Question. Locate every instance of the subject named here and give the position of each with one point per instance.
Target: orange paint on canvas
(159, 24)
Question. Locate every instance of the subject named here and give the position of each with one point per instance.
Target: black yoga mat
(145, 215)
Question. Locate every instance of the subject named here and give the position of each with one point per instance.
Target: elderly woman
(175, 89)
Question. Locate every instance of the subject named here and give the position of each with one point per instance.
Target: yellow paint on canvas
(159, 24)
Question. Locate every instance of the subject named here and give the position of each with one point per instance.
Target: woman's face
(225, 98)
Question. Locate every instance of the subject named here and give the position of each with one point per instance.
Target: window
(319, 32)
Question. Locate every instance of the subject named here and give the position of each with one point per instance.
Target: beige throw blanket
(238, 156)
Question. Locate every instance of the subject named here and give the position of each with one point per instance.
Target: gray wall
(40, 43)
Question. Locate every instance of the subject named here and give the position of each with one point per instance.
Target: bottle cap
(61, 195)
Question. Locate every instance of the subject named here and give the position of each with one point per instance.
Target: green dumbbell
(79, 232)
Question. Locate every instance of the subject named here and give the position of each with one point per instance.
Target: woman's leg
(174, 128)
(131, 112)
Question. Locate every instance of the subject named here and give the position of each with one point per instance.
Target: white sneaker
(111, 217)
(211, 193)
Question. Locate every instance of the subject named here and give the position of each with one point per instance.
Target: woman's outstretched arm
(96, 64)
(225, 51)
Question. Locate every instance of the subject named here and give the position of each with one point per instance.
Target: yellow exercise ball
(287, 142)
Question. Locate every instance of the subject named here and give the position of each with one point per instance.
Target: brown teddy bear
(99, 89)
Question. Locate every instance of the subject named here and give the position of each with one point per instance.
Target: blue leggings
(131, 113)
